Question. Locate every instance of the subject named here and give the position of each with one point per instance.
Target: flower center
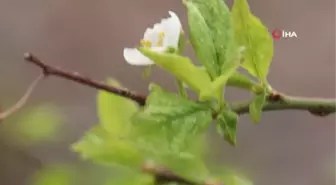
(148, 44)
(161, 37)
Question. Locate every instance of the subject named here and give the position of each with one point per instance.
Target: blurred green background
(288, 147)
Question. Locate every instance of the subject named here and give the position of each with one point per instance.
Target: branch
(23, 99)
(276, 101)
(75, 76)
(317, 107)
(163, 176)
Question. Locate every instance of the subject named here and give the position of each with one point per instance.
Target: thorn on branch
(274, 97)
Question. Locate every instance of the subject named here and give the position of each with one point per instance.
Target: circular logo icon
(276, 34)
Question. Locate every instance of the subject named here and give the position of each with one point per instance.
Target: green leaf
(186, 166)
(212, 33)
(234, 179)
(217, 86)
(181, 67)
(227, 125)
(115, 111)
(175, 119)
(256, 107)
(251, 33)
(101, 147)
(109, 143)
(241, 81)
(201, 40)
(181, 44)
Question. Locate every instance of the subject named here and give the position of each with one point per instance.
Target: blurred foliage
(55, 175)
(35, 125)
(82, 174)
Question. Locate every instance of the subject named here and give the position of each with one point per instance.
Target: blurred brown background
(289, 147)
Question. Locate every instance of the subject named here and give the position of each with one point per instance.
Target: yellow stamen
(146, 43)
(161, 37)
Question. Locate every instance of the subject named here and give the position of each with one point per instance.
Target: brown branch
(317, 107)
(163, 175)
(75, 76)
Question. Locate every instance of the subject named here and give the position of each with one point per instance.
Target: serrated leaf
(189, 167)
(101, 147)
(256, 107)
(115, 111)
(227, 125)
(217, 86)
(219, 83)
(181, 67)
(251, 33)
(212, 33)
(201, 40)
(172, 117)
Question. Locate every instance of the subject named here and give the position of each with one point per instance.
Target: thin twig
(317, 107)
(163, 176)
(23, 99)
(75, 76)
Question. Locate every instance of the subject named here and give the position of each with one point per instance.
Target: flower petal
(151, 35)
(134, 57)
(173, 30)
(171, 26)
(159, 49)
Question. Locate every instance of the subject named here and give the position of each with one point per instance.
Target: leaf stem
(221, 98)
(181, 88)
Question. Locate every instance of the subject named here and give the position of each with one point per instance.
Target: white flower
(162, 36)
